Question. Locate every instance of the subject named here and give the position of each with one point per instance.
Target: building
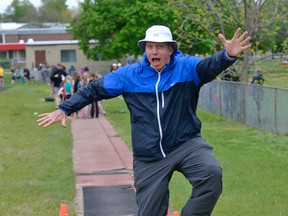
(49, 43)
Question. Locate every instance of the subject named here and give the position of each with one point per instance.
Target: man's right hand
(47, 119)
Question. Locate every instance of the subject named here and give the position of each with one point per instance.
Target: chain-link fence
(265, 108)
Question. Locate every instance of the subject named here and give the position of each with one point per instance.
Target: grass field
(36, 173)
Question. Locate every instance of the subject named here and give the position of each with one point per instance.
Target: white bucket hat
(158, 33)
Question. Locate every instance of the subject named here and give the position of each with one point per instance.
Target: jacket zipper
(163, 104)
(158, 113)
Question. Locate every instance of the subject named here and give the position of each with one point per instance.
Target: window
(68, 55)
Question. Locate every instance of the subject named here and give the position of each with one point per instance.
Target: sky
(37, 3)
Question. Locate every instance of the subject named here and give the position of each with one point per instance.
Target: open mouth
(156, 60)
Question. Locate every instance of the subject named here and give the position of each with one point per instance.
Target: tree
(272, 32)
(260, 18)
(20, 11)
(54, 11)
(50, 11)
(202, 21)
(117, 25)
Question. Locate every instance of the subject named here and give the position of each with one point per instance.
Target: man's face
(158, 54)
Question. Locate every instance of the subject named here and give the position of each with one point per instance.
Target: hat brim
(142, 44)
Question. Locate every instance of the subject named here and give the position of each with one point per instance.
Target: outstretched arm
(210, 67)
(236, 45)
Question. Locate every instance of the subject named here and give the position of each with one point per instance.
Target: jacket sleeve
(94, 91)
(209, 68)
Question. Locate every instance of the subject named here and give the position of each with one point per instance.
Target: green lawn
(36, 173)
(274, 73)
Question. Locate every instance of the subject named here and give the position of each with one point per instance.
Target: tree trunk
(245, 67)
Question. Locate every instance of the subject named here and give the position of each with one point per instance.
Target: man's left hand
(236, 45)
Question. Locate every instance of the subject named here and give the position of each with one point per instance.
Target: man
(161, 93)
(57, 77)
(258, 77)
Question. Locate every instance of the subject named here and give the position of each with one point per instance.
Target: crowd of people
(66, 83)
(22, 74)
(43, 72)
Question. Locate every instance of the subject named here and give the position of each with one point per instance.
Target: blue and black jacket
(162, 104)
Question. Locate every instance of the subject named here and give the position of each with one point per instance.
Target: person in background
(40, 71)
(1, 76)
(119, 65)
(57, 77)
(113, 67)
(18, 74)
(76, 86)
(258, 93)
(161, 94)
(230, 74)
(45, 71)
(85, 111)
(68, 87)
(23, 75)
(86, 69)
(13, 75)
(258, 77)
(72, 70)
(100, 103)
(82, 71)
(96, 106)
(32, 76)
(76, 82)
(26, 73)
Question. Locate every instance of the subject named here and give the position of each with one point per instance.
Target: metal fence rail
(262, 107)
